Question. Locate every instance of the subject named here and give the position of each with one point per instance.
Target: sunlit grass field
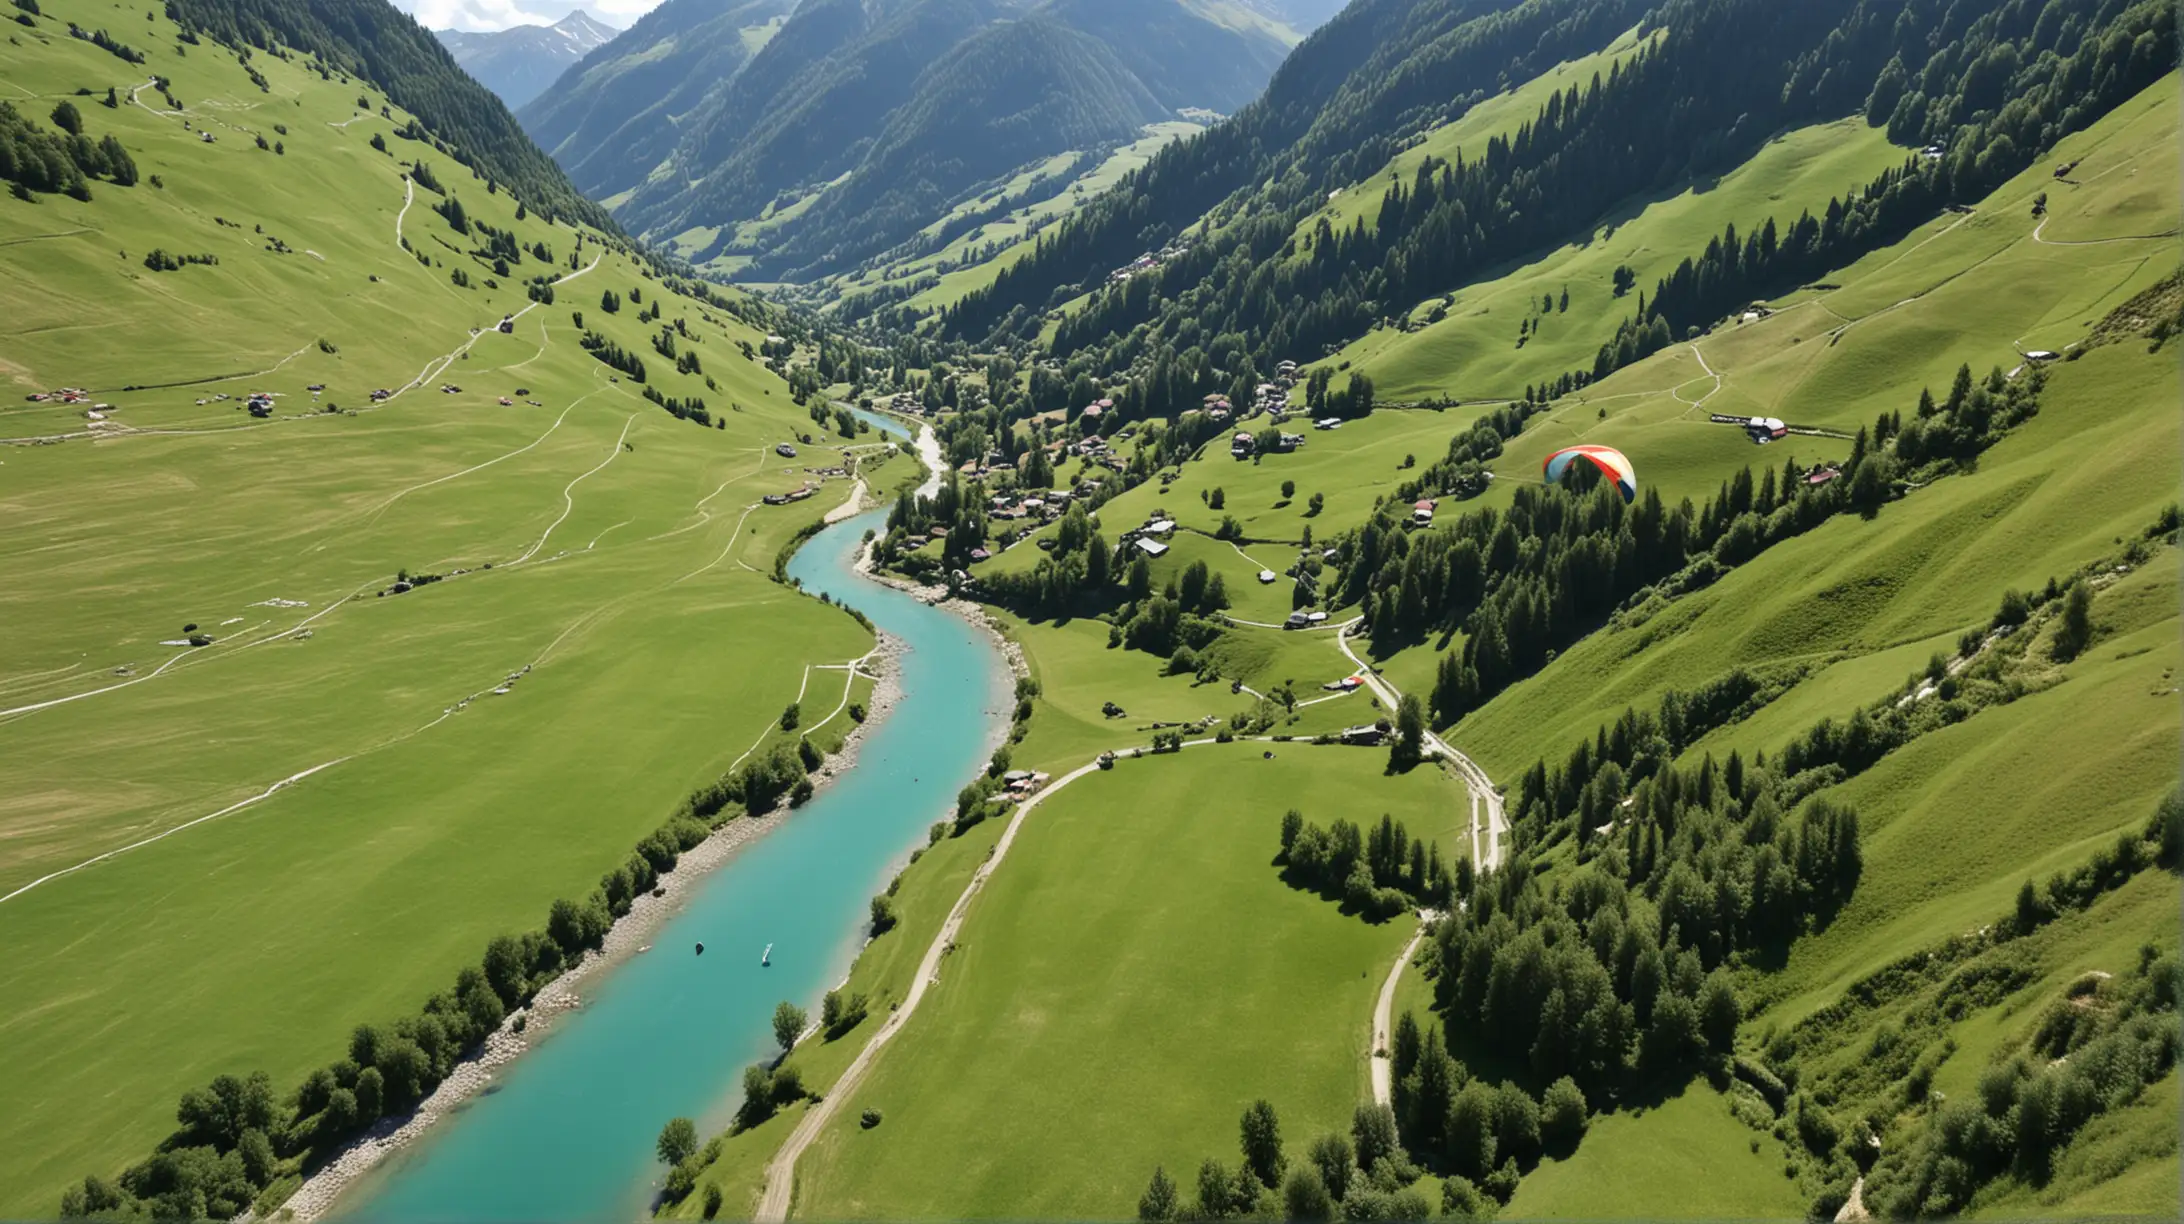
(345, 809)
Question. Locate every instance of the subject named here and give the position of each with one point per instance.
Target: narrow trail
(724, 551)
(1256, 563)
(1475, 779)
(81, 229)
(409, 196)
(568, 493)
(1720, 381)
(139, 102)
(704, 515)
(447, 712)
(260, 797)
(533, 444)
(438, 365)
(1382, 1063)
(2039, 231)
(855, 668)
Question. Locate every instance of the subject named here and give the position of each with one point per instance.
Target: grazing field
(1466, 343)
(1951, 825)
(220, 858)
(1124, 989)
(1629, 1167)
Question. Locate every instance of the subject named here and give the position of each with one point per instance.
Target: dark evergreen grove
(62, 159)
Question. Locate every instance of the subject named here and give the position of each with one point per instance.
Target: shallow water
(567, 1133)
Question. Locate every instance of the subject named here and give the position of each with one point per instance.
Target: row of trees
(236, 1136)
(159, 260)
(1362, 1175)
(1991, 83)
(2090, 1054)
(1873, 1054)
(613, 355)
(1330, 118)
(1996, 97)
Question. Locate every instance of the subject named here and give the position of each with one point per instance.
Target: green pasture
(1352, 468)
(1687, 1157)
(607, 561)
(1473, 350)
(1134, 975)
(1955, 822)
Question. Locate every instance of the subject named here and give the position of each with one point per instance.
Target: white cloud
(501, 14)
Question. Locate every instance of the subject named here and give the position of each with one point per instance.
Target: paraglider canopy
(1611, 463)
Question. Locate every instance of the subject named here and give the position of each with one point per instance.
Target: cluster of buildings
(260, 404)
(1244, 446)
(907, 404)
(1150, 539)
(1149, 261)
(1093, 449)
(1043, 506)
(783, 499)
(1023, 783)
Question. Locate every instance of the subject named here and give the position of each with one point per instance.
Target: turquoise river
(567, 1132)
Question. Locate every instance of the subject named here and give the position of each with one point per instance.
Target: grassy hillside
(1192, 982)
(221, 858)
(2057, 766)
(1003, 221)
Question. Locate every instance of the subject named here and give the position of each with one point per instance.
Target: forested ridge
(1994, 81)
(372, 40)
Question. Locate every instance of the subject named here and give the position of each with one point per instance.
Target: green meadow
(1714, 1167)
(1123, 990)
(221, 858)
(1040, 1021)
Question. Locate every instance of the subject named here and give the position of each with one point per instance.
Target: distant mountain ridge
(518, 63)
(813, 138)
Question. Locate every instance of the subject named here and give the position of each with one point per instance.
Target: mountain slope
(563, 507)
(370, 39)
(611, 119)
(1699, 99)
(916, 101)
(1012, 94)
(518, 62)
(1303, 16)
